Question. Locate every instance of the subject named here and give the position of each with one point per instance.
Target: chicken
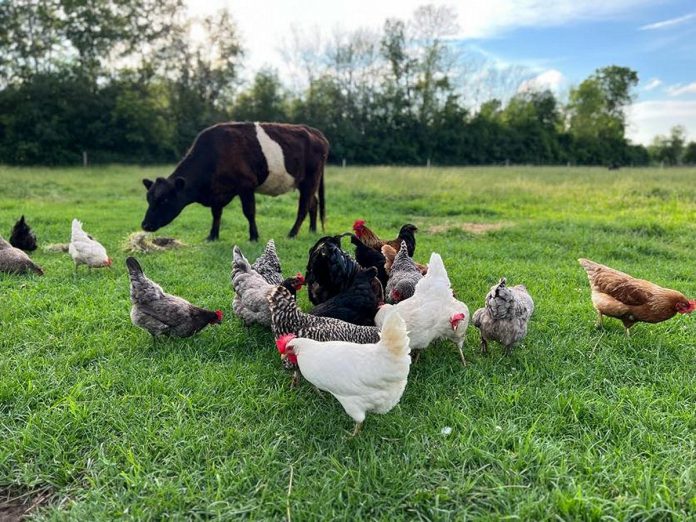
(287, 318)
(389, 254)
(368, 237)
(330, 270)
(367, 257)
(15, 261)
(432, 312)
(251, 290)
(403, 278)
(86, 251)
(160, 313)
(358, 303)
(363, 377)
(22, 236)
(632, 300)
(268, 264)
(505, 316)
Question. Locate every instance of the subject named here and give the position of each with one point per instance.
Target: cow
(239, 159)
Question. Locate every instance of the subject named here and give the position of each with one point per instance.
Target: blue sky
(555, 43)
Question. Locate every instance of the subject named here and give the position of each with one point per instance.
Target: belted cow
(239, 159)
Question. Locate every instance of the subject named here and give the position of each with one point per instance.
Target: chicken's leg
(628, 331)
(356, 430)
(414, 359)
(600, 321)
(461, 354)
(295, 379)
(484, 346)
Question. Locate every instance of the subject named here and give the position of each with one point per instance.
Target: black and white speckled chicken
(358, 303)
(330, 270)
(15, 261)
(403, 278)
(268, 264)
(505, 315)
(368, 257)
(160, 313)
(251, 290)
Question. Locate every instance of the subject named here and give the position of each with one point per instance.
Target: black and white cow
(239, 159)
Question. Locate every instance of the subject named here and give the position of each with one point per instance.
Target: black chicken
(358, 303)
(22, 236)
(368, 257)
(330, 270)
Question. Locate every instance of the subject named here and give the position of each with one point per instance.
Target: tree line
(136, 81)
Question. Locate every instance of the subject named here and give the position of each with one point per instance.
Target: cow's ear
(179, 183)
(147, 183)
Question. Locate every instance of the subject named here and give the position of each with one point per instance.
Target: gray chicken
(268, 265)
(505, 316)
(251, 290)
(403, 278)
(160, 313)
(14, 261)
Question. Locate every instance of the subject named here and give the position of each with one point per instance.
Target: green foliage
(578, 424)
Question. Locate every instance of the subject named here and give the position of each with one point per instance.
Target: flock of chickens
(371, 311)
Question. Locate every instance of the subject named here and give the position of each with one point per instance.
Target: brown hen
(632, 300)
(370, 239)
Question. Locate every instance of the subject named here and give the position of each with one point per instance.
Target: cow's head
(166, 199)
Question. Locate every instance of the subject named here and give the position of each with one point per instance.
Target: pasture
(578, 423)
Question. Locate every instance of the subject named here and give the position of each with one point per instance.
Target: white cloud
(667, 23)
(551, 79)
(649, 118)
(654, 83)
(679, 89)
(265, 24)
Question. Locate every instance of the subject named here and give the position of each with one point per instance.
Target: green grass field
(577, 424)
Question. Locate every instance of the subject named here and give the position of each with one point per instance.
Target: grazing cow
(238, 159)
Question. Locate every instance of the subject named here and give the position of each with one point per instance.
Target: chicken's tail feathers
(134, 267)
(284, 309)
(476, 318)
(393, 335)
(239, 262)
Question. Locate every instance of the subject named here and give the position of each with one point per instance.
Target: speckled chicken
(403, 278)
(358, 303)
(505, 315)
(15, 261)
(23, 236)
(330, 270)
(268, 264)
(389, 254)
(251, 290)
(85, 250)
(160, 313)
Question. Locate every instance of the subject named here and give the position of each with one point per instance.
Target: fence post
(84, 158)
(343, 163)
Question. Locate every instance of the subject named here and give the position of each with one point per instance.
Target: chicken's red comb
(218, 314)
(454, 320)
(300, 278)
(359, 223)
(282, 341)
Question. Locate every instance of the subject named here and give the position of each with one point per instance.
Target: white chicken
(86, 251)
(363, 377)
(432, 312)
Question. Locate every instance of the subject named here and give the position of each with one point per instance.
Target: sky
(555, 43)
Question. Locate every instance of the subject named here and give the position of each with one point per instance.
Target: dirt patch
(472, 228)
(18, 503)
(142, 242)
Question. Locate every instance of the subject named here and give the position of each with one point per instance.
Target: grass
(577, 424)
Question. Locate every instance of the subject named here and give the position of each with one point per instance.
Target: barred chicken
(358, 303)
(367, 236)
(403, 278)
(389, 254)
(432, 312)
(85, 250)
(22, 236)
(15, 261)
(632, 300)
(268, 264)
(369, 257)
(363, 377)
(330, 270)
(159, 313)
(251, 290)
(505, 316)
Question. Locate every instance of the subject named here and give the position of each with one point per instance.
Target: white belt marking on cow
(279, 181)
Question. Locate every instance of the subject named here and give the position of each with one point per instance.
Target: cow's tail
(322, 202)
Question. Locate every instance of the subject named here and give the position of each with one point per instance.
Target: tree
(669, 149)
(690, 154)
(264, 100)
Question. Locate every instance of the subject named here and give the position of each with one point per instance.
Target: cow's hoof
(211, 238)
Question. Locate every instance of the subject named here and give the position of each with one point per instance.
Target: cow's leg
(301, 211)
(313, 214)
(249, 209)
(215, 229)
